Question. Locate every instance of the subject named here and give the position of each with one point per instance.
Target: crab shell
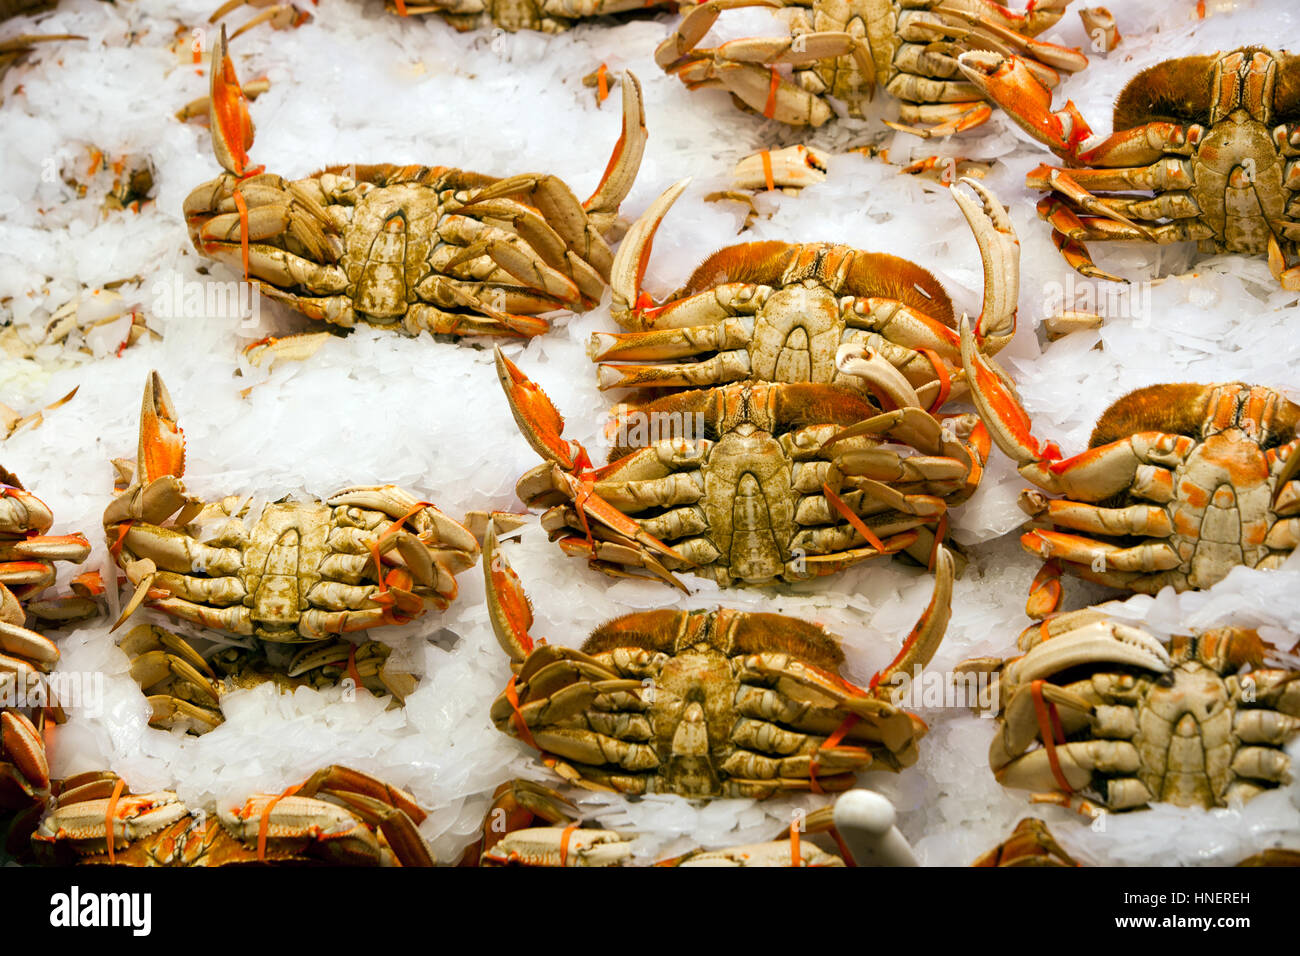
(1209, 143)
(1181, 484)
(413, 248)
(1031, 844)
(843, 49)
(303, 571)
(356, 821)
(548, 16)
(704, 703)
(780, 312)
(1096, 706)
(737, 487)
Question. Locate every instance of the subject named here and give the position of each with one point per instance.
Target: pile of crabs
(806, 411)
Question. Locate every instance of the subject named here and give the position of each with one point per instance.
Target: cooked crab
(184, 688)
(548, 16)
(704, 703)
(1179, 485)
(751, 483)
(413, 248)
(779, 312)
(1204, 148)
(339, 817)
(1101, 710)
(302, 571)
(860, 823)
(1031, 844)
(843, 49)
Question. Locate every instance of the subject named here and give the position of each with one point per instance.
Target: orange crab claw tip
(538, 418)
(510, 611)
(228, 117)
(162, 442)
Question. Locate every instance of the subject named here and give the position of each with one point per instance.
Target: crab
(368, 556)
(1031, 844)
(778, 312)
(1179, 485)
(1204, 148)
(337, 817)
(548, 16)
(411, 248)
(753, 482)
(28, 553)
(704, 703)
(860, 823)
(843, 49)
(184, 689)
(1097, 712)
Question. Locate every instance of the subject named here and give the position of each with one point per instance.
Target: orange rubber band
(517, 718)
(401, 8)
(564, 843)
(352, 666)
(845, 855)
(109, 814)
(389, 531)
(602, 83)
(1049, 727)
(945, 380)
(767, 169)
(796, 858)
(830, 743)
(858, 524)
(770, 109)
(264, 824)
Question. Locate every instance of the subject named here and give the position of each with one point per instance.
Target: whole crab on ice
(860, 822)
(1179, 485)
(338, 817)
(753, 482)
(1095, 708)
(1204, 148)
(780, 312)
(844, 49)
(302, 571)
(413, 248)
(705, 703)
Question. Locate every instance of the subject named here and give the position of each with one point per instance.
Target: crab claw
(1007, 421)
(634, 255)
(516, 805)
(1000, 252)
(919, 648)
(854, 358)
(162, 443)
(696, 24)
(509, 609)
(21, 742)
(228, 117)
(538, 419)
(1009, 83)
(624, 162)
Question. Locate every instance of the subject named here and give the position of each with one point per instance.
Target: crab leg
(542, 426)
(1077, 762)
